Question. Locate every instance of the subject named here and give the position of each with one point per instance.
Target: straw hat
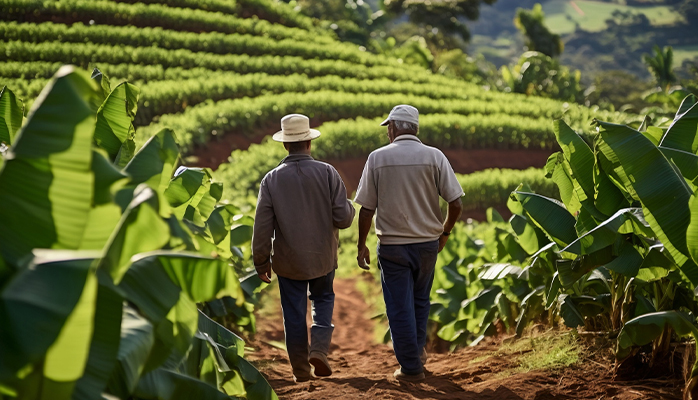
(295, 128)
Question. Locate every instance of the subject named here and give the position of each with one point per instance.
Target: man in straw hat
(301, 206)
(401, 185)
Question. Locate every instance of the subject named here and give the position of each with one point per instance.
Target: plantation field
(561, 16)
(134, 136)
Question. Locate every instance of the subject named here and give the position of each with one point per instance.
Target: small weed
(548, 351)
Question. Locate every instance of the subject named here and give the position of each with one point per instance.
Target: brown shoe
(401, 376)
(300, 379)
(319, 361)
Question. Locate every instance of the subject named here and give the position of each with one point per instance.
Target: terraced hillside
(221, 73)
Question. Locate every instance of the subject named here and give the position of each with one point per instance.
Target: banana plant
(101, 270)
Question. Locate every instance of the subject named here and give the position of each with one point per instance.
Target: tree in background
(660, 65)
(538, 74)
(689, 9)
(350, 19)
(617, 89)
(538, 38)
(435, 15)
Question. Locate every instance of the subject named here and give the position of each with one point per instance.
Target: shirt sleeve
(367, 193)
(342, 209)
(263, 230)
(449, 187)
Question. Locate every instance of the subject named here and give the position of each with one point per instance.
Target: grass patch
(561, 15)
(551, 350)
(683, 53)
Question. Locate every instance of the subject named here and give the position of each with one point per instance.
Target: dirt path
(363, 369)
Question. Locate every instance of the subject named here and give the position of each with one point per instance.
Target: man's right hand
(364, 257)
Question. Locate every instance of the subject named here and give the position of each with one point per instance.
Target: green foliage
(492, 187)
(537, 74)
(443, 15)
(272, 11)
(618, 253)
(198, 124)
(660, 64)
(12, 111)
(209, 42)
(531, 23)
(85, 241)
(138, 14)
(86, 53)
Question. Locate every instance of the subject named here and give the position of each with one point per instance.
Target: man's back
(304, 202)
(403, 182)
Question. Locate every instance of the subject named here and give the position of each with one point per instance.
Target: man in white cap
(301, 206)
(401, 185)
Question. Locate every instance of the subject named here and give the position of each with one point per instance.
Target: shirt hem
(403, 240)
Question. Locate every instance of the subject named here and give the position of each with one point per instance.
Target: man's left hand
(442, 242)
(265, 275)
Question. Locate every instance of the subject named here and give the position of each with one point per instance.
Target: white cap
(403, 112)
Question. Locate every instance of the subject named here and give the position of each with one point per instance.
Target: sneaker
(424, 357)
(401, 376)
(319, 361)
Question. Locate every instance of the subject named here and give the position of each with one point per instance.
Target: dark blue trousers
(407, 272)
(294, 305)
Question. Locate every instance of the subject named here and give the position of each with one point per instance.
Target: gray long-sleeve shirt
(302, 204)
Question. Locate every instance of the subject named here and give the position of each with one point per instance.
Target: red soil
(363, 369)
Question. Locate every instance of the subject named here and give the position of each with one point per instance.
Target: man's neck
(397, 135)
(299, 153)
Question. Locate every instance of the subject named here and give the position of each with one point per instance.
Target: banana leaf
(104, 344)
(11, 115)
(531, 307)
(558, 169)
(46, 184)
(154, 164)
(692, 231)
(140, 230)
(136, 342)
(661, 189)
(114, 131)
(580, 157)
(685, 161)
(36, 304)
(570, 271)
(683, 132)
(606, 232)
(644, 329)
(549, 215)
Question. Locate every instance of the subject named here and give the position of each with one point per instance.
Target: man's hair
(295, 147)
(405, 126)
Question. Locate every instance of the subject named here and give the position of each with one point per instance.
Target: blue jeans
(294, 305)
(407, 272)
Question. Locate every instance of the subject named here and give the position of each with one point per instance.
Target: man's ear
(286, 146)
(309, 144)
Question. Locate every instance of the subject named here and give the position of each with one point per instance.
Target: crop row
(483, 189)
(148, 15)
(274, 11)
(83, 54)
(357, 138)
(213, 42)
(174, 96)
(197, 124)
(492, 187)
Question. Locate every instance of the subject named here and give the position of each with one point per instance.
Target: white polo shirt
(402, 182)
